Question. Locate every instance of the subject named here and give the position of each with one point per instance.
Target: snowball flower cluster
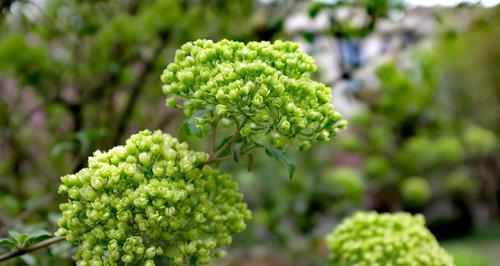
(479, 141)
(347, 183)
(400, 239)
(263, 87)
(150, 200)
(415, 191)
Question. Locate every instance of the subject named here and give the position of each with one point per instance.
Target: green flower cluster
(479, 141)
(399, 239)
(423, 152)
(147, 199)
(265, 88)
(347, 183)
(415, 191)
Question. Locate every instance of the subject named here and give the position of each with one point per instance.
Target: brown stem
(214, 157)
(217, 159)
(226, 145)
(37, 246)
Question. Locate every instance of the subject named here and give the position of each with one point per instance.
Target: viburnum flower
(264, 88)
(399, 239)
(148, 200)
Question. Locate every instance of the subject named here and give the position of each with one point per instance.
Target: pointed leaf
(281, 157)
(235, 150)
(29, 259)
(39, 235)
(20, 238)
(249, 162)
(7, 242)
(63, 147)
(183, 130)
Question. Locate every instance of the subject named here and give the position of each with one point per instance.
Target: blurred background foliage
(76, 76)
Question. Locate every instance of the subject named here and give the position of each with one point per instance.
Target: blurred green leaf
(315, 9)
(88, 137)
(249, 162)
(309, 36)
(20, 239)
(235, 148)
(29, 259)
(39, 235)
(7, 242)
(63, 147)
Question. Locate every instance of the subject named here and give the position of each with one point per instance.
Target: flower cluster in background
(370, 238)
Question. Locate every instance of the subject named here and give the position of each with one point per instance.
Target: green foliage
(416, 191)
(264, 89)
(407, 130)
(370, 10)
(150, 198)
(22, 239)
(464, 256)
(347, 183)
(76, 76)
(479, 141)
(377, 167)
(369, 238)
(460, 183)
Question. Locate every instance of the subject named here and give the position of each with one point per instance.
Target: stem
(226, 145)
(214, 137)
(37, 246)
(217, 159)
(214, 156)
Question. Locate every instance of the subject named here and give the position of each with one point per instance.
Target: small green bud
(127, 258)
(145, 159)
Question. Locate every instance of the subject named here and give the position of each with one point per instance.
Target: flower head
(265, 88)
(399, 239)
(149, 199)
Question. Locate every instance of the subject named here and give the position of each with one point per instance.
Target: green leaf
(235, 149)
(29, 259)
(63, 147)
(183, 130)
(249, 162)
(308, 36)
(281, 157)
(38, 235)
(86, 138)
(20, 238)
(192, 126)
(7, 242)
(315, 9)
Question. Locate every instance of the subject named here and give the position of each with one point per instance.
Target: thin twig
(214, 137)
(218, 159)
(214, 156)
(37, 246)
(226, 145)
